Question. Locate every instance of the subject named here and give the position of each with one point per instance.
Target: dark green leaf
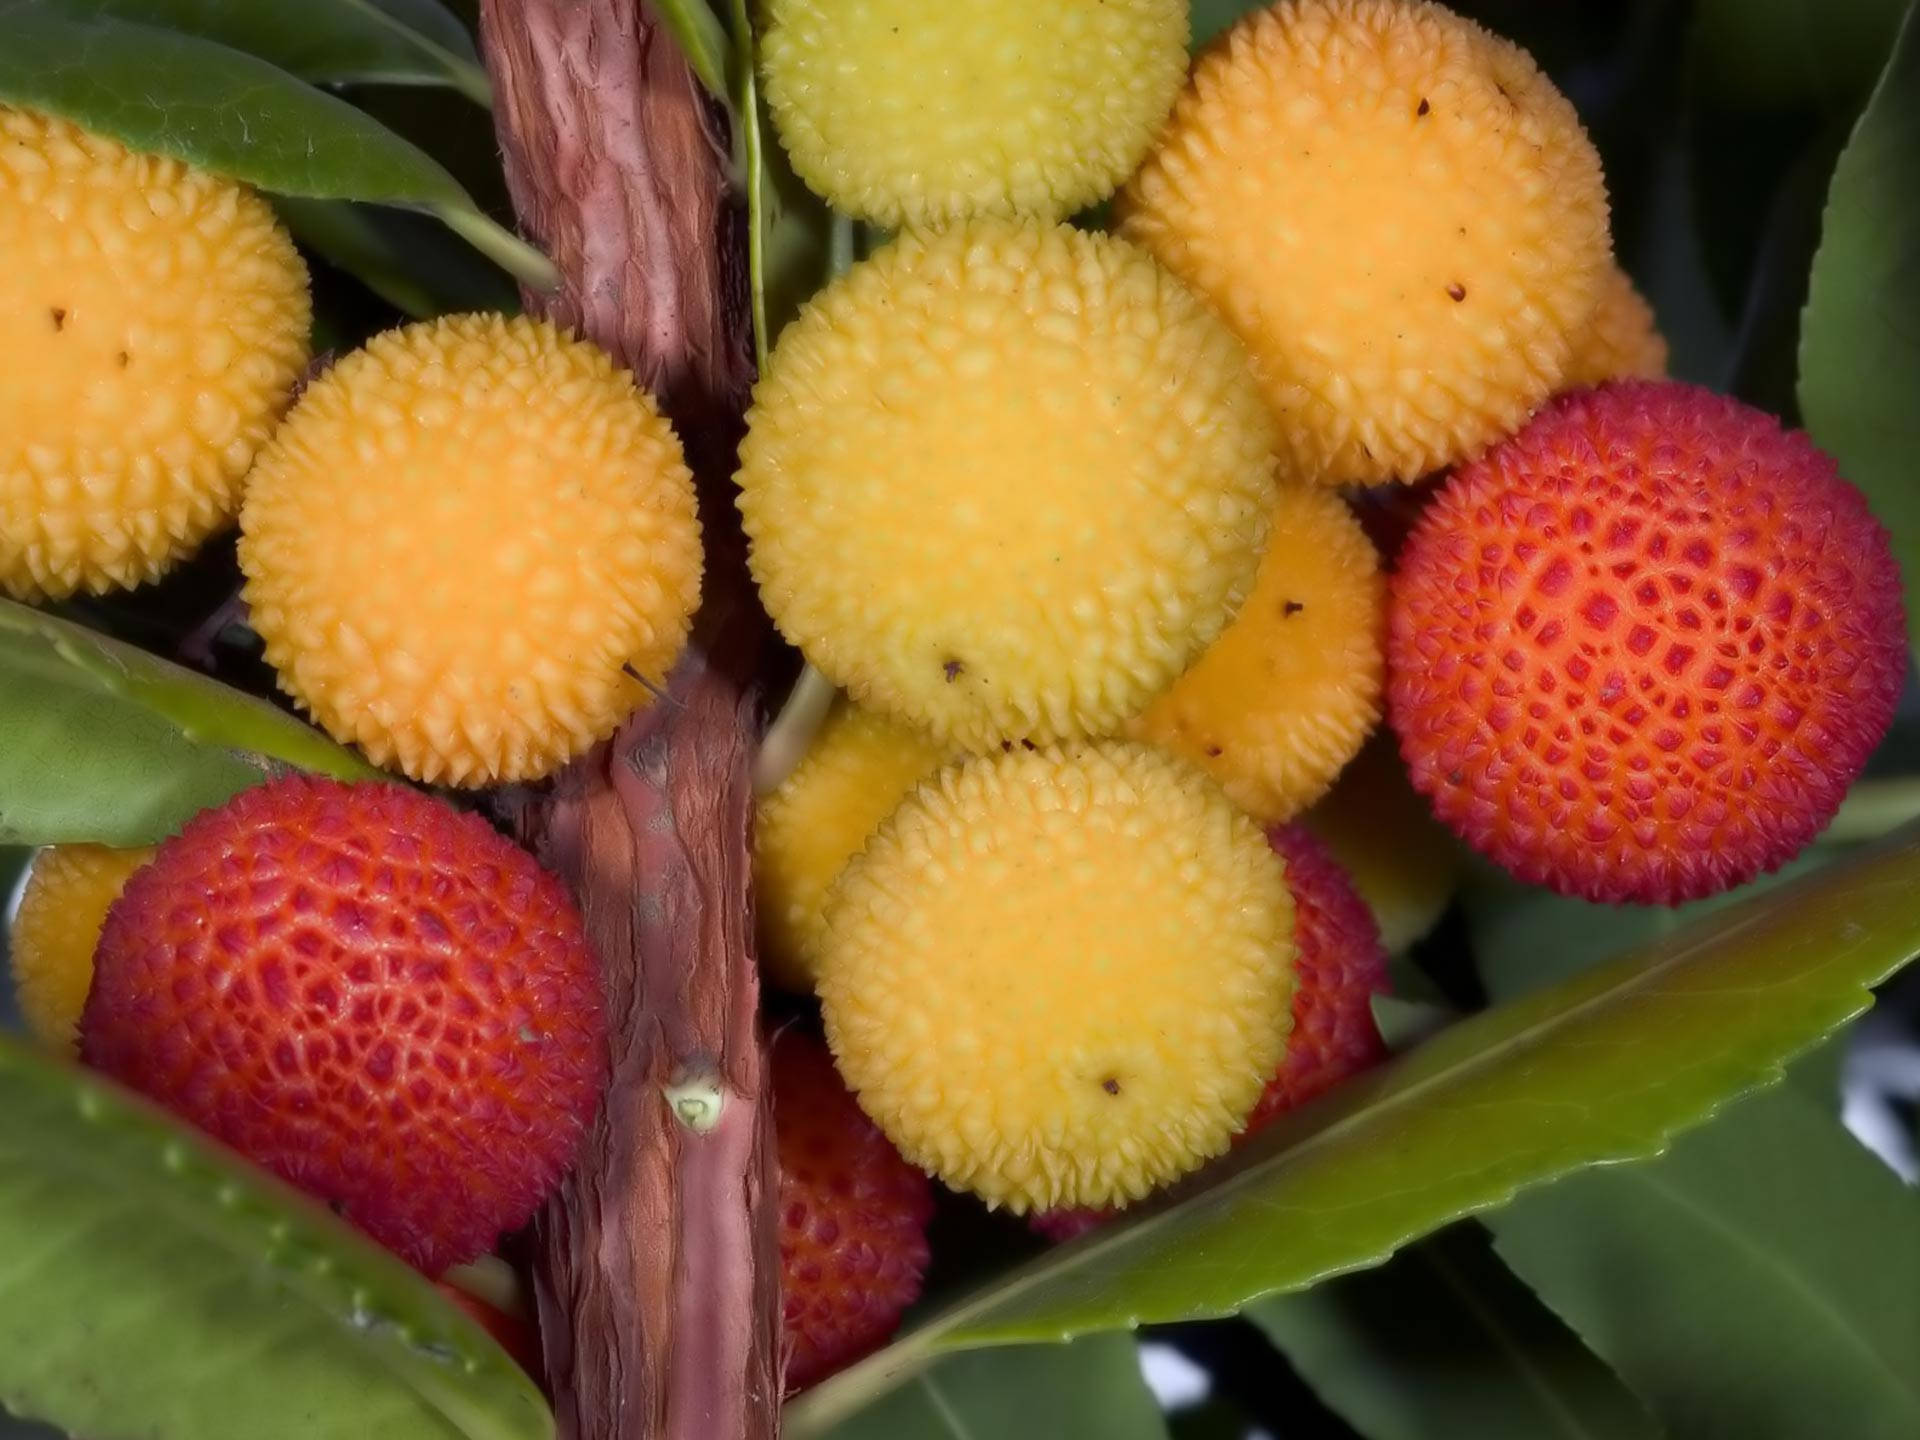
(229, 112)
(1404, 1023)
(1779, 54)
(1089, 1390)
(1761, 1281)
(1605, 1066)
(1211, 17)
(1859, 339)
(103, 742)
(152, 1284)
(390, 42)
(405, 259)
(1443, 1342)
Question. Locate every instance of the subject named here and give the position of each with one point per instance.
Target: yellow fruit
(858, 768)
(1005, 481)
(1620, 340)
(1291, 690)
(1060, 977)
(459, 541)
(153, 322)
(1405, 864)
(69, 890)
(904, 112)
(1397, 212)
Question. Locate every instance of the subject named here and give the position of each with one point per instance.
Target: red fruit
(853, 1217)
(1339, 966)
(367, 992)
(1640, 650)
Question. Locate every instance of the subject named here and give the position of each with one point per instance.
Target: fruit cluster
(1081, 866)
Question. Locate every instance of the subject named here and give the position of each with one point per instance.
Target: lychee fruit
(1339, 966)
(1381, 831)
(859, 766)
(1060, 977)
(1292, 688)
(154, 321)
(471, 548)
(905, 113)
(1396, 211)
(367, 992)
(69, 888)
(1620, 340)
(853, 1217)
(1641, 650)
(1005, 481)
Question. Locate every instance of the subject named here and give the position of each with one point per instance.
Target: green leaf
(1859, 344)
(225, 111)
(153, 1284)
(1525, 938)
(406, 260)
(1089, 1390)
(1605, 1066)
(100, 741)
(1404, 1023)
(379, 42)
(1758, 1282)
(794, 243)
(1443, 1342)
(1211, 17)
(702, 40)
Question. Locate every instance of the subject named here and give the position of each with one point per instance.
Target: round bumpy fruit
(1339, 966)
(907, 113)
(856, 770)
(1397, 212)
(853, 1217)
(69, 888)
(1620, 341)
(1640, 651)
(464, 545)
(154, 321)
(1005, 481)
(367, 992)
(1292, 688)
(1060, 977)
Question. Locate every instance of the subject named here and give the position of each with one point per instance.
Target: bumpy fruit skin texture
(459, 538)
(1405, 864)
(1339, 966)
(1005, 481)
(1620, 341)
(1640, 651)
(853, 1217)
(56, 928)
(367, 992)
(1397, 212)
(154, 321)
(907, 113)
(1292, 688)
(856, 770)
(1060, 977)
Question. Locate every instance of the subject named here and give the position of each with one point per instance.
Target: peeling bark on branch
(658, 1270)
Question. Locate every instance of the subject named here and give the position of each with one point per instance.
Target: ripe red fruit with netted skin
(1339, 966)
(367, 992)
(1639, 651)
(853, 1217)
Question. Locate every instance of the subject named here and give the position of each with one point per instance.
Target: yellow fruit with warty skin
(69, 890)
(153, 320)
(1060, 977)
(858, 768)
(472, 548)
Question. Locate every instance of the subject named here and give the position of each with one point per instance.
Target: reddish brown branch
(658, 1273)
